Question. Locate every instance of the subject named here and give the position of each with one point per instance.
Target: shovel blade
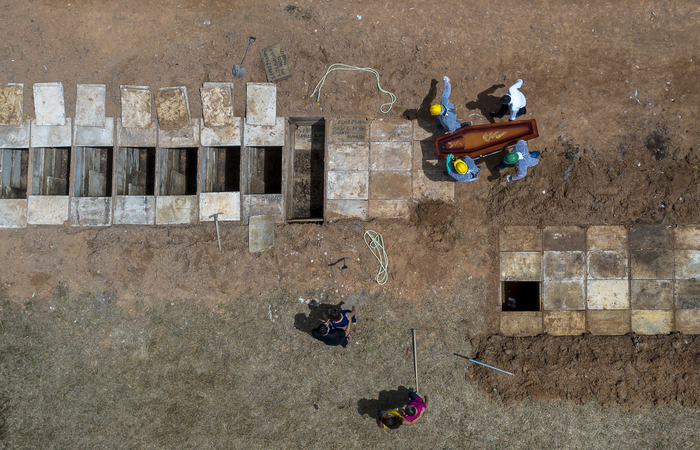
(238, 71)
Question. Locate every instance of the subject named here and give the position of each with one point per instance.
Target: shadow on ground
(386, 400)
(305, 323)
(487, 103)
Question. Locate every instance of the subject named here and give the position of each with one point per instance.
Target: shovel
(239, 71)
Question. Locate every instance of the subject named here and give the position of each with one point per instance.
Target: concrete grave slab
(172, 108)
(563, 265)
(607, 237)
(652, 322)
(389, 209)
(91, 211)
(136, 137)
(425, 157)
(217, 104)
(564, 239)
(687, 264)
(563, 295)
(564, 323)
(136, 107)
(687, 294)
(89, 136)
(385, 131)
(261, 104)
(134, 210)
(607, 265)
(520, 239)
(520, 324)
(261, 136)
(390, 185)
(262, 204)
(652, 294)
(652, 264)
(609, 323)
(187, 136)
(261, 233)
(226, 203)
(651, 237)
(688, 321)
(687, 237)
(12, 104)
(47, 209)
(51, 135)
(13, 213)
(15, 137)
(348, 156)
(521, 266)
(347, 209)
(608, 294)
(349, 129)
(176, 209)
(390, 155)
(432, 185)
(228, 136)
(90, 105)
(49, 107)
(347, 185)
(274, 59)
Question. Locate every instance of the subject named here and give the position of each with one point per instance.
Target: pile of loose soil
(631, 371)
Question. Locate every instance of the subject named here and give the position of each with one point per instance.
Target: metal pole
(485, 365)
(415, 358)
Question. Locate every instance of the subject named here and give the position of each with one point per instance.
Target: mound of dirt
(630, 371)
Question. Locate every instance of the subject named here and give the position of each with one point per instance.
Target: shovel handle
(250, 42)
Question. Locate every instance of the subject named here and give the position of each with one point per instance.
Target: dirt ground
(148, 337)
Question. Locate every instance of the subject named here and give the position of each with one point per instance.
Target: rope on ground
(338, 66)
(375, 242)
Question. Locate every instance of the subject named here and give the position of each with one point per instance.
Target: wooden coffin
(482, 140)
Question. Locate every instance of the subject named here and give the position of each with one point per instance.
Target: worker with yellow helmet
(445, 111)
(462, 169)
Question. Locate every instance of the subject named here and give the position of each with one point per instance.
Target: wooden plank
(97, 184)
(178, 183)
(56, 186)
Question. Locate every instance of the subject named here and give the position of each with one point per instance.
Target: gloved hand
(450, 157)
(445, 79)
(509, 179)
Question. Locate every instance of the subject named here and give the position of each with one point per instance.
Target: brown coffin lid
(481, 140)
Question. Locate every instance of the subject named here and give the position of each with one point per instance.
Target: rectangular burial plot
(14, 168)
(263, 170)
(222, 169)
(136, 171)
(521, 296)
(305, 183)
(50, 171)
(93, 172)
(178, 174)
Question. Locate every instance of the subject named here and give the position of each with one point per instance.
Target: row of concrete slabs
(605, 280)
(94, 170)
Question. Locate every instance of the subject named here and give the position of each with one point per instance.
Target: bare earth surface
(145, 337)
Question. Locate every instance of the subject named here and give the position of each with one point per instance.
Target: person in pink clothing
(414, 408)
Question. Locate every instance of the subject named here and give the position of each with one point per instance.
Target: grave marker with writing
(275, 61)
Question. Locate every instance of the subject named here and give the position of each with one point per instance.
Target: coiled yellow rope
(338, 66)
(375, 242)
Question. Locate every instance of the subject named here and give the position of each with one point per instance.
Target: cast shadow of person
(386, 400)
(307, 324)
(487, 103)
(428, 123)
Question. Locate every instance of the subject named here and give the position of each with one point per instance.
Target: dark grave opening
(222, 169)
(50, 171)
(178, 174)
(136, 171)
(521, 296)
(93, 172)
(306, 178)
(14, 171)
(265, 170)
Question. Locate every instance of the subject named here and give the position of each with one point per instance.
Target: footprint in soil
(386, 400)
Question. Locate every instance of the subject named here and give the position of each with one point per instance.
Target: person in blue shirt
(462, 169)
(445, 111)
(521, 158)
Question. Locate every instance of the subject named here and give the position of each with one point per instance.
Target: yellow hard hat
(435, 109)
(461, 167)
